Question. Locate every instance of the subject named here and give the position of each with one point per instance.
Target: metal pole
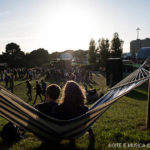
(148, 107)
(12, 83)
(137, 32)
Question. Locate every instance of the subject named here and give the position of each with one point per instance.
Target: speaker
(114, 67)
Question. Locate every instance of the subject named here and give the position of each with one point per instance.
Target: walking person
(44, 88)
(6, 80)
(38, 92)
(29, 89)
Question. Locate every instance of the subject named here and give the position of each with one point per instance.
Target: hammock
(47, 128)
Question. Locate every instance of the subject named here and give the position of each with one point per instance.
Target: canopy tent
(143, 53)
(47, 128)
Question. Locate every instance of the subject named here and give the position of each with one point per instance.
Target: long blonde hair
(73, 95)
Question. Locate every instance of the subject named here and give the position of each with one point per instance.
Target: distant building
(135, 45)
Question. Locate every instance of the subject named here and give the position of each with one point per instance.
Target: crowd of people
(71, 74)
(58, 74)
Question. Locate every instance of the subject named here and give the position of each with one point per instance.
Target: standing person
(15, 73)
(30, 74)
(72, 103)
(44, 88)
(6, 80)
(52, 94)
(82, 75)
(87, 75)
(38, 91)
(1, 75)
(29, 89)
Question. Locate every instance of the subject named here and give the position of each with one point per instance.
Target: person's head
(73, 95)
(37, 82)
(52, 92)
(42, 81)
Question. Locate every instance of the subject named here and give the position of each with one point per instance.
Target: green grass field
(123, 123)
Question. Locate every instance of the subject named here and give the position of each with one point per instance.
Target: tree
(116, 46)
(103, 48)
(12, 48)
(40, 54)
(80, 53)
(55, 55)
(92, 51)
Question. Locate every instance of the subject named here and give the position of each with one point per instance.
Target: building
(135, 45)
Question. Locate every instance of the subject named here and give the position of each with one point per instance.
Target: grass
(124, 122)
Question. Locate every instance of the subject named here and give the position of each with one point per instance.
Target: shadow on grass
(5, 145)
(67, 146)
(137, 95)
(20, 84)
(92, 82)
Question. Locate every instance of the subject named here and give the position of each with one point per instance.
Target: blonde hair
(73, 95)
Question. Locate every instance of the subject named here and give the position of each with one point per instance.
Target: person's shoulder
(46, 104)
(39, 105)
(85, 108)
(58, 107)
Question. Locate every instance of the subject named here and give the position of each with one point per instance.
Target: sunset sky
(58, 25)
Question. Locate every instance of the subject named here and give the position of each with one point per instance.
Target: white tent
(66, 56)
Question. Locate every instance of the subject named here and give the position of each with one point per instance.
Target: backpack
(10, 132)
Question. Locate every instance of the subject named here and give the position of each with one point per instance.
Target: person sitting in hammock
(72, 103)
(52, 94)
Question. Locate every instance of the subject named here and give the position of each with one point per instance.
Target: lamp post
(137, 38)
(137, 32)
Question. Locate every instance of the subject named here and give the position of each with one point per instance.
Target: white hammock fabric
(47, 128)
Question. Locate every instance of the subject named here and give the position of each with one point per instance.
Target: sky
(59, 25)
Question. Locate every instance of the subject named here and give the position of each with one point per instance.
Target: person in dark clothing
(29, 89)
(6, 80)
(44, 88)
(38, 92)
(52, 94)
(72, 103)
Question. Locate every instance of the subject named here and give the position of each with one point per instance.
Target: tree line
(105, 49)
(17, 58)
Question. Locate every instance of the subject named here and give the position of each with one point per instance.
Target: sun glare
(66, 29)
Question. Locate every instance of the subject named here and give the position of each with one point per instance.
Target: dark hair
(53, 91)
(73, 95)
